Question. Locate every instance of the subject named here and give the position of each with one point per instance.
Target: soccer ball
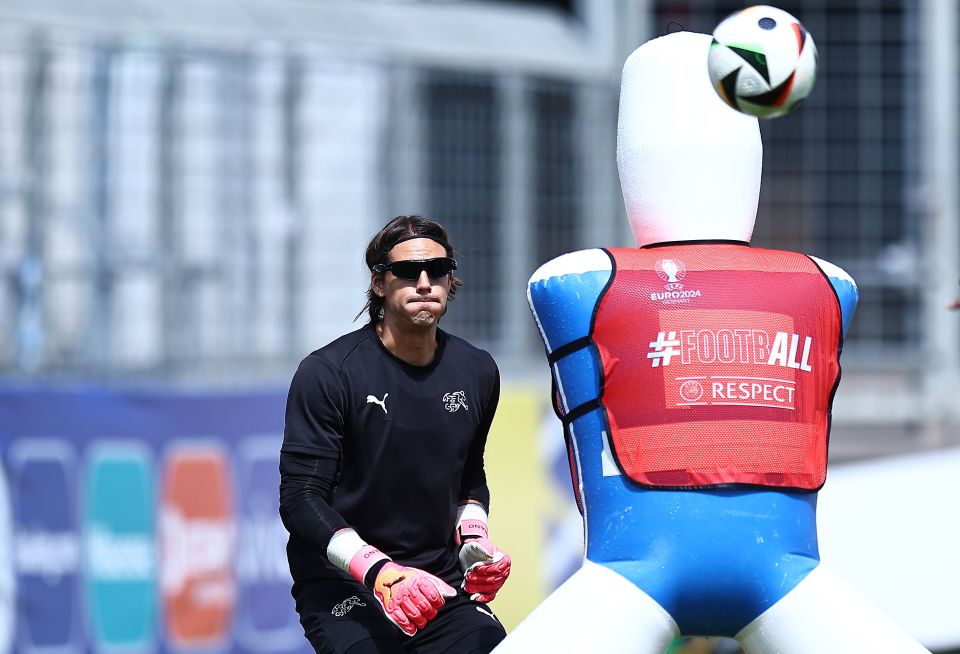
(762, 61)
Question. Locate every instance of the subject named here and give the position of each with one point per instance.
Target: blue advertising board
(119, 517)
(102, 546)
(46, 550)
(7, 587)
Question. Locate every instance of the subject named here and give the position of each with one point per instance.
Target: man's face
(419, 302)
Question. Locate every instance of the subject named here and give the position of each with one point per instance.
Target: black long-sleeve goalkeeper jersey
(385, 447)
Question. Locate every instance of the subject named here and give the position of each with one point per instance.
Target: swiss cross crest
(453, 401)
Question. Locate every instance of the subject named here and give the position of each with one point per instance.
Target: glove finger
(398, 617)
(410, 609)
(426, 607)
(501, 564)
(474, 552)
(485, 581)
(483, 598)
(443, 588)
(406, 627)
(495, 577)
(481, 587)
(488, 575)
(500, 569)
(498, 562)
(429, 591)
(479, 550)
(429, 612)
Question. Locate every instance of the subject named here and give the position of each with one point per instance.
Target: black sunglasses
(410, 269)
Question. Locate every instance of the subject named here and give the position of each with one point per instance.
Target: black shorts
(343, 617)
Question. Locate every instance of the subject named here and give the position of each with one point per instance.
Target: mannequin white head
(689, 164)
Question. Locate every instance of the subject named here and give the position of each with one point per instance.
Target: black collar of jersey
(371, 329)
(705, 241)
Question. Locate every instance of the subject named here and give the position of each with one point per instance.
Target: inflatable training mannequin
(694, 376)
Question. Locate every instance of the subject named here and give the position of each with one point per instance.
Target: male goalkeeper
(382, 485)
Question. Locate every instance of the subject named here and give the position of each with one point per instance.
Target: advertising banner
(142, 521)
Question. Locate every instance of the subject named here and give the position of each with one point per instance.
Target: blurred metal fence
(168, 211)
(864, 175)
(839, 171)
(175, 210)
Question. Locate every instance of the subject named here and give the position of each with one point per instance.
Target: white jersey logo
(487, 613)
(344, 607)
(734, 346)
(382, 403)
(671, 270)
(453, 401)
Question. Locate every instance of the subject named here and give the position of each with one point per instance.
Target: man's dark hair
(399, 229)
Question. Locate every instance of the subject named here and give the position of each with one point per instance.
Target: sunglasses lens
(410, 270)
(406, 269)
(437, 268)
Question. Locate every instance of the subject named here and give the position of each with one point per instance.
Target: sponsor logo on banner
(265, 616)
(120, 552)
(197, 545)
(45, 544)
(7, 585)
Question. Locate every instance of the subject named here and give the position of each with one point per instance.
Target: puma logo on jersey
(487, 613)
(382, 403)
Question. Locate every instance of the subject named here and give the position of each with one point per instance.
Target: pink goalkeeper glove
(485, 566)
(409, 597)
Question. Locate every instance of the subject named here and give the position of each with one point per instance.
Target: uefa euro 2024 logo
(671, 271)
